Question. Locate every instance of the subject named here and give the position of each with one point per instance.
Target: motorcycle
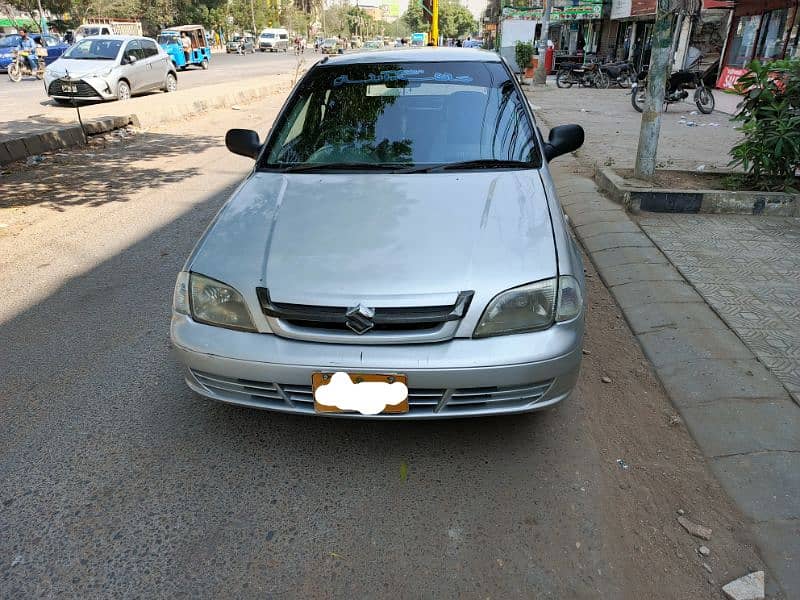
(620, 73)
(676, 90)
(19, 68)
(588, 75)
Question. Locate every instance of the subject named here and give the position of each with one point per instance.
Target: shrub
(770, 123)
(523, 53)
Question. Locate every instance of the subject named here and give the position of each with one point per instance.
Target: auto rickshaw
(172, 41)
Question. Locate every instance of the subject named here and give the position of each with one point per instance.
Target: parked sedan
(55, 48)
(330, 46)
(110, 67)
(398, 250)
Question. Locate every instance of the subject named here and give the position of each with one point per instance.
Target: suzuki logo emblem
(359, 319)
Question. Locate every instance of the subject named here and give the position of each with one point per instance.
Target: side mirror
(244, 142)
(131, 58)
(563, 140)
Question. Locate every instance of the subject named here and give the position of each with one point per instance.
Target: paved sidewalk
(740, 415)
(748, 270)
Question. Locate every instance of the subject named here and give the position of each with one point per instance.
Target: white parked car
(110, 67)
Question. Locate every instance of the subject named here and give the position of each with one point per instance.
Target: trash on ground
(236, 107)
(701, 168)
(34, 160)
(622, 464)
(749, 587)
(695, 529)
(605, 379)
(704, 550)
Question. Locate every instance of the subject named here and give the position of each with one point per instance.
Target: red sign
(729, 76)
(708, 4)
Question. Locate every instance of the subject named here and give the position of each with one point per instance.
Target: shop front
(761, 30)
(632, 28)
(574, 28)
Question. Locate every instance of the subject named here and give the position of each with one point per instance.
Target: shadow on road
(106, 170)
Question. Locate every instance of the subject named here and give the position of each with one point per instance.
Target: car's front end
(395, 263)
(65, 80)
(266, 43)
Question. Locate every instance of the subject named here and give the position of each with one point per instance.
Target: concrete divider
(144, 112)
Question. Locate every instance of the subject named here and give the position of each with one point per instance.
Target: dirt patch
(695, 180)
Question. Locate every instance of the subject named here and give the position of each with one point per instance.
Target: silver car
(398, 251)
(110, 67)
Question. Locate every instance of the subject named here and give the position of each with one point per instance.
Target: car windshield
(405, 114)
(168, 39)
(268, 36)
(94, 50)
(12, 41)
(331, 41)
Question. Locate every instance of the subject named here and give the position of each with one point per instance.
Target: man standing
(28, 45)
(186, 43)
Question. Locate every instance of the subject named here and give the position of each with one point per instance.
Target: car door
(154, 62)
(134, 71)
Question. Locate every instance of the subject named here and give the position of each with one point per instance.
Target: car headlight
(211, 302)
(531, 307)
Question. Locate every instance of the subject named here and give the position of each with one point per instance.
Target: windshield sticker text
(401, 75)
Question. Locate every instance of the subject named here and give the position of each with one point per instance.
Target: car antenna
(75, 104)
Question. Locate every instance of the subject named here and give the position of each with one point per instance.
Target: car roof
(121, 38)
(183, 28)
(425, 54)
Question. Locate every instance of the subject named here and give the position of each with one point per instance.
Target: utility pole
(435, 22)
(656, 86)
(540, 77)
(253, 16)
(42, 20)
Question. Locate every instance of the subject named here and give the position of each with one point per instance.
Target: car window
(284, 36)
(134, 48)
(149, 48)
(94, 49)
(411, 113)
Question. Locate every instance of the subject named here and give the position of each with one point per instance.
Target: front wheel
(704, 100)
(637, 97)
(14, 72)
(123, 90)
(564, 79)
(601, 81)
(204, 64)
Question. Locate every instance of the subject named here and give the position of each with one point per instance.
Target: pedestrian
(186, 43)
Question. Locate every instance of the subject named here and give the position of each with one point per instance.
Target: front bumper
(458, 378)
(87, 89)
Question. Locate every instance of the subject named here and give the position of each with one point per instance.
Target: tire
(123, 90)
(564, 79)
(637, 98)
(704, 100)
(14, 72)
(204, 64)
(601, 81)
(171, 83)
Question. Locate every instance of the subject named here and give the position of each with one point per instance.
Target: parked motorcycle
(620, 73)
(677, 90)
(588, 75)
(19, 68)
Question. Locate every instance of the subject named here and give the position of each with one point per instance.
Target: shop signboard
(580, 12)
(729, 77)
(620, 9)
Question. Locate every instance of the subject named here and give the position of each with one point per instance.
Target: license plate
(70, 88)
(365, 393)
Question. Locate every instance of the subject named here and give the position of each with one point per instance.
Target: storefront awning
(21, 22)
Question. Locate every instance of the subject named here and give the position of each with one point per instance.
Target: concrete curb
(143, 112)
(740, 415)
(636, 199)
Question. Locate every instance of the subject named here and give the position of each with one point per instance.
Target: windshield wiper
(311, 167)
(482, 163)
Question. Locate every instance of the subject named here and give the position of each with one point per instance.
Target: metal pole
(540, 77)
(253, 16)
(656, 85)
(434, 22)
(42, 20)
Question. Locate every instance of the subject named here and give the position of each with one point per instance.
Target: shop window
(743, 41)
(773, 35)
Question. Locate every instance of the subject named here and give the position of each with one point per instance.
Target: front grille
(421, 401)
(336, 318)
(84, 90)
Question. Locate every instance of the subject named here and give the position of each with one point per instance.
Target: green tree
(455, 20)
(414, 17)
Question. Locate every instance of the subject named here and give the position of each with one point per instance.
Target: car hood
(414, 239)
(79, 68)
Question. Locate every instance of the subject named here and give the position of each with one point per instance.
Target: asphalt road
(119, 482)
(19, 100)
